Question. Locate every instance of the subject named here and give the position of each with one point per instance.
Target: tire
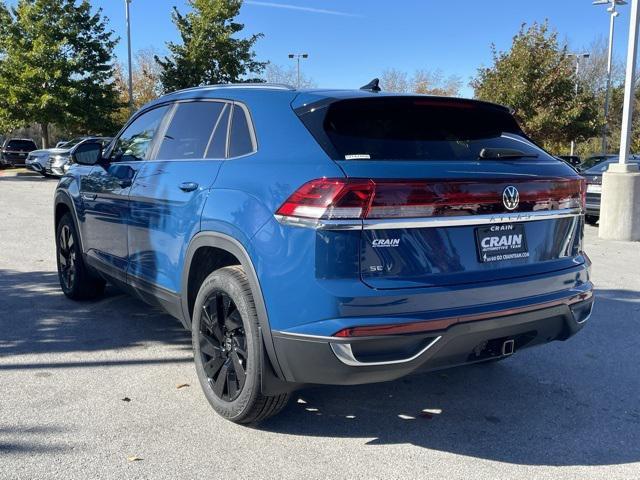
(591, 219)
(227, 348)
(76, 280)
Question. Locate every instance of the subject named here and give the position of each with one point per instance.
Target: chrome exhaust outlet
(508, 347)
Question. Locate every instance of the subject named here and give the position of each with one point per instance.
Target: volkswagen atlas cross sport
(328, 237)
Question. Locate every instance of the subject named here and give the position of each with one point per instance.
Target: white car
(38, 159)
(54, 162)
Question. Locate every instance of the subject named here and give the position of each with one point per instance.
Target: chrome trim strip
(319, 224)
(584, 320)
(471, 220)
(344, 353)
(428, 222)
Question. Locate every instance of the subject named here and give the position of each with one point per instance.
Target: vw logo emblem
(510, 197)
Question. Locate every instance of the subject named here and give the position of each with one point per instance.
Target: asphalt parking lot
(565, 410)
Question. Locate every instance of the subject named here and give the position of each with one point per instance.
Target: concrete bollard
(620, 203)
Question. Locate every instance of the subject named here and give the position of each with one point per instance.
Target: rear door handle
(89, 196)
(188, 186)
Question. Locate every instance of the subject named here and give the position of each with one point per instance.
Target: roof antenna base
(372, 86)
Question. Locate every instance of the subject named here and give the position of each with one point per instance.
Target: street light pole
(613, 14)
(298, 56)
(127, 2)
(620, 201)
(629, 84)
(578, 57)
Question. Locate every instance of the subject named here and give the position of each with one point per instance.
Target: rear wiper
(505, 153)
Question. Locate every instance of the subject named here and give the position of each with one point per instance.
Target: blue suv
(328, 236)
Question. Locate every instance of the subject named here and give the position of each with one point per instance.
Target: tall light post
(127, 2)
(298, 56)
(578, 56)
(612, 14)
(620, 205)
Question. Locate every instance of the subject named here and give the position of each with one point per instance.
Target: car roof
(247, 91)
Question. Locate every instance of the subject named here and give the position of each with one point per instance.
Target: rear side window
(134, 143)
(190, 131)
(217, 147)
(21, 145)
(240, 138)
(412, 128)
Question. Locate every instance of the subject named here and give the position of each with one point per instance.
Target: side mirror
(87, 154)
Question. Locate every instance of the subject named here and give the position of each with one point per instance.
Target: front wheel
(76, 281)
(227, 348)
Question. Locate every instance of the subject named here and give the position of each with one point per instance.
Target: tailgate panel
(438, 256)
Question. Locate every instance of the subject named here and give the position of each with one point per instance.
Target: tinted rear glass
(240, 142)
(190, 130)
(218, 142)
(21, 145)
(412, 128)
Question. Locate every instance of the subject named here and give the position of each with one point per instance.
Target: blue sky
(351, 41)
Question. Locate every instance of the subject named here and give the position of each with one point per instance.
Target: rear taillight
(341, 198)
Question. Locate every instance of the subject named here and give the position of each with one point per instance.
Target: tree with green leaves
(56, 67)
(536, 78)
(210, 51)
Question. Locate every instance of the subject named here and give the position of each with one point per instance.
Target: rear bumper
(357, 360)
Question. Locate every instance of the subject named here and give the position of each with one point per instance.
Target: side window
(134, 143)
(240, 140)
(217, 147)
(191, 128)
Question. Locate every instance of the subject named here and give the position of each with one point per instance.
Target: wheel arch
(233, 247)
(64, 204)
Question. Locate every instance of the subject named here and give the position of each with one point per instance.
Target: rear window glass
(412, 128)
(21, 145)
(190, 130)
(218, 142)
(240, 141)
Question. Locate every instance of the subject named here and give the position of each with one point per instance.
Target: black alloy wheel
(223, 346)
(67, 258)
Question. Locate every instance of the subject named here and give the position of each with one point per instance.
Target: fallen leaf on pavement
(182, 385)
(126, 399)
(134, 459)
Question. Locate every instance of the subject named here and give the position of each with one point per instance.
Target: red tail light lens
(340, 198)
(329, 198)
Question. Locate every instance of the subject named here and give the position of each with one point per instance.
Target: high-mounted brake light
(341, 198)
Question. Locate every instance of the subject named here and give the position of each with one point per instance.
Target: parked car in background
(54, 162)
(594, 185)
(14, 151)
(328, 237)
(593, 160)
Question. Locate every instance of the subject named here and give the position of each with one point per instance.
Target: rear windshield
(21, 145)
(413, 128)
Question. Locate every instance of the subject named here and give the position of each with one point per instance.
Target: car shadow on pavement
(37, 318)
(566, 403)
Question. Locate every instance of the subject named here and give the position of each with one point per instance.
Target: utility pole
(620, 205)
(127, 2)
(613, 14)
(578, 57)
(298, 56)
